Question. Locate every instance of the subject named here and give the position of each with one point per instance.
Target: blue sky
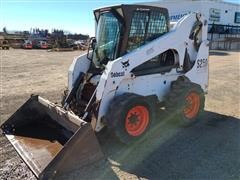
(74, 15)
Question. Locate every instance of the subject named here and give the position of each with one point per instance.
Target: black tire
(176, 102)
(117, 115)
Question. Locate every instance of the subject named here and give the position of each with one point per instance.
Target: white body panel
(79, 64)
(158, 84)
(199, 72)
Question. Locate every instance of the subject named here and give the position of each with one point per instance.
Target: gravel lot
(208, 150)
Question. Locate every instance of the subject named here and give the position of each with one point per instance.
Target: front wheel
(129, 116)
(137, 120)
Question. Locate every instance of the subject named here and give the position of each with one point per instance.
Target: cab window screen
(157, 26)
(146, 26)
(138, 30)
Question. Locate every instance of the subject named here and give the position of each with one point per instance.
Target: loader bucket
(51, 140)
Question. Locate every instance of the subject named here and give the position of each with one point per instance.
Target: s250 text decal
(202, 63)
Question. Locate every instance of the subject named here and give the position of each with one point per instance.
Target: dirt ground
(208, 150)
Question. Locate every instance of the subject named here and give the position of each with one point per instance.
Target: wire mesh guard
(146, 26)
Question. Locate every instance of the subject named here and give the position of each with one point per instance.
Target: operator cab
(121, 29)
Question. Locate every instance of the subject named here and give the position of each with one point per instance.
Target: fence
(225, 37)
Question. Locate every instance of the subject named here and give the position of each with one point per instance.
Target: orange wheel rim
(137, 120)
(193, 105)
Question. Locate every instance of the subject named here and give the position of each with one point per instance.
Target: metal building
(223, 19)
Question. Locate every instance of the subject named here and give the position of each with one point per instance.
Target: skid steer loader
(137, 63)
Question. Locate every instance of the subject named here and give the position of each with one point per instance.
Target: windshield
(108, 32)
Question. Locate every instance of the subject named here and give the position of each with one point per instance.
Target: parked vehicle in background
(42, 45)
(27, 44)
(79, 45)
(4, 44)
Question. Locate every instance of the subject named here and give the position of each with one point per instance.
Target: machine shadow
(218, 53)
(208, 149)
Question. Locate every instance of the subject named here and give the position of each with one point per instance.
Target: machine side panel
(79, 64)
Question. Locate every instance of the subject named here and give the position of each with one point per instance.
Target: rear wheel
(129, 116)
(192, 106)
(185, 101)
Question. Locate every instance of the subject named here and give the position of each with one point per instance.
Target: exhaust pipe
(51, 140)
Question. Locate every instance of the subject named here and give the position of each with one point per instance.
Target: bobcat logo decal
(125, 64)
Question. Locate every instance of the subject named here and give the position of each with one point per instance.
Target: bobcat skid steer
(137, 62)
